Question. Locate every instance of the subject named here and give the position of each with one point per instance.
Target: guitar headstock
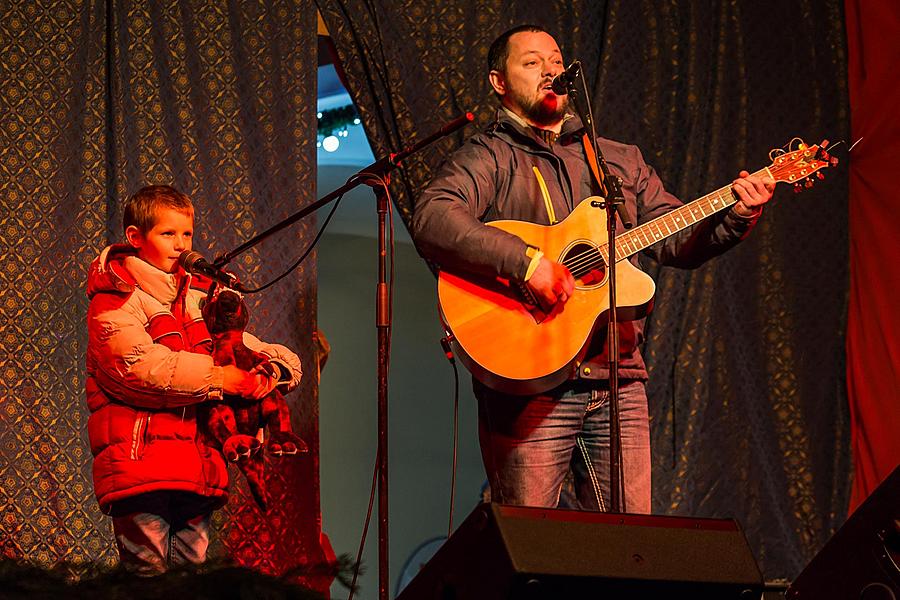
(798, 166)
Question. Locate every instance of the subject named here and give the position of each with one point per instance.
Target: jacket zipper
(139, 435)
(548, 203)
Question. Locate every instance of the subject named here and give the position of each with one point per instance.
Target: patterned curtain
(52, 174)
(99, 99)
(746, 354)
(412, 66)
(748, 401)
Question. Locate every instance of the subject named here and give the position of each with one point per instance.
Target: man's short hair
(499, 50)
(141, 207)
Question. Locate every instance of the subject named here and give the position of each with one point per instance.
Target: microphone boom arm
(377, 169)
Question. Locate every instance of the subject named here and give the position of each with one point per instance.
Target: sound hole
(877, 591)
(586, 264)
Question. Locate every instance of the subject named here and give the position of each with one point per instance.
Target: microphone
(561, 82)
(193, 262)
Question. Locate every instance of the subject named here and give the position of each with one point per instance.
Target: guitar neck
(641, 237)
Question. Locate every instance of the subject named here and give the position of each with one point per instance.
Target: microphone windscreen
(188, 259)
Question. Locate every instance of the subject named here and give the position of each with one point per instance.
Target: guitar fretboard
(641, 237)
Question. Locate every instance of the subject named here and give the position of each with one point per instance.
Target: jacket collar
(156, 282)
(118, 269)
(517, 133)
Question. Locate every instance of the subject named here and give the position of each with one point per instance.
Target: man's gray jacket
(509, 172)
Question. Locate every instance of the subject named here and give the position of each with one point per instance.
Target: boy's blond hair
(141, 208)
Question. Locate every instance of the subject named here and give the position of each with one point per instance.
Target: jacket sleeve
(290, 370)
(132, 369)
(447, 223)
(696, 244)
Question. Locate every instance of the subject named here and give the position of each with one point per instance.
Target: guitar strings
(583, 263)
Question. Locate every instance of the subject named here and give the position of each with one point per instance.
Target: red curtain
(873, 320)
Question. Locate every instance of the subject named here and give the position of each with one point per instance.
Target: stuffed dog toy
(236, 423)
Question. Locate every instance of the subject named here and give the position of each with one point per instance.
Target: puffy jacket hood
(118, 269)
(107, 272)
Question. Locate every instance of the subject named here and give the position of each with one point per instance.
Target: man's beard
(542, 112)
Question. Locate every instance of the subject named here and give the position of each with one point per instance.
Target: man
(530, 165)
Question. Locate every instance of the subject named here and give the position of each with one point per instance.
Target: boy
(148, 367)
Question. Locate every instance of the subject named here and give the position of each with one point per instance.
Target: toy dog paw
(285, 443)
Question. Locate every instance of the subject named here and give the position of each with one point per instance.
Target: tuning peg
(797, 188)
(820, 175)
(824, 144)
(825, 155)
(834, 161)
(808, 183)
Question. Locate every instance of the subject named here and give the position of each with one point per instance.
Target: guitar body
(513, 347)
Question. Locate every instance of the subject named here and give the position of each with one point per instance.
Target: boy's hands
(251, 386)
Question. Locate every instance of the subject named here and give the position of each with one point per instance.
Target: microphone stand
(373, 175)
(614, 203)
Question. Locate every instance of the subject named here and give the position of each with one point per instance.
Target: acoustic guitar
(508, 343)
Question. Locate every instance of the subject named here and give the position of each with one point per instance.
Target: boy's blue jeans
(530, 443)
(159, 530)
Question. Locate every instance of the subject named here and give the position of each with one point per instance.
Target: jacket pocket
(139, 434)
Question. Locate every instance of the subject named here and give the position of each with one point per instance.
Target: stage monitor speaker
(862, 560)
(507, 552)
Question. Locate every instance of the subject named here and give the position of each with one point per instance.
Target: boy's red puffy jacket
(148, 366)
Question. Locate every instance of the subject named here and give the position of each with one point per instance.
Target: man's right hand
(251, 386)
(550, 283)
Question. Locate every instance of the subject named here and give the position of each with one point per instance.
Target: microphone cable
(306, 252)
(455, 444)
(390, 305)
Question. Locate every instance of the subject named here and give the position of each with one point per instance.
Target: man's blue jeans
(530, 443)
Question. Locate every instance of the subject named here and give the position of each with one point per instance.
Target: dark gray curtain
(747, 353)
(748, 405)
(412, 66)
(98, 98)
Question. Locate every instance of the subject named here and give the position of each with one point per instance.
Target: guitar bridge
(530, 302)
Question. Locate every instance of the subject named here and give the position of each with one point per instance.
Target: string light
(333, 124)
(330, 143)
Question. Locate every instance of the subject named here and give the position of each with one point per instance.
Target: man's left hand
(752, 191)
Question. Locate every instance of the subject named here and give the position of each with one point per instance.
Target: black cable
(620, 462)
(390, 256)
(375, 470)
(390, 202)
(305, 252)
(362, 540)
(455, 442)
(384, 184)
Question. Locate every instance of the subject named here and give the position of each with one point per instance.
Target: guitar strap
(592, 161)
